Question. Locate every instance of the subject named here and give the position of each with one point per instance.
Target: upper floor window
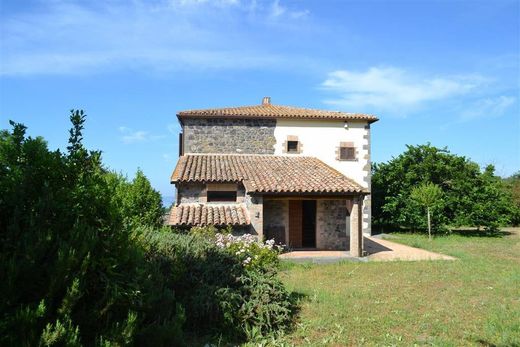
(346, 151)
(292, 145)
(221, 192)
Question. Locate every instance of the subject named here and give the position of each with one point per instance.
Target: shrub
(247, 249)
(217, 290)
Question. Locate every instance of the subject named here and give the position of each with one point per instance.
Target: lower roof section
(208, 214)
(265, 173)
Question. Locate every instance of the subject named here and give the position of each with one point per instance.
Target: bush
(219, 292)
(67, 265)
(81, 263)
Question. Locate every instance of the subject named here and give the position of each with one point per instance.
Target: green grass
(474, 300)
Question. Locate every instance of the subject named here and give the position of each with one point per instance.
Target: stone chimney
(266, 100)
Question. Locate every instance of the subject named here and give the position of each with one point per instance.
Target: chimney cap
(266, 100)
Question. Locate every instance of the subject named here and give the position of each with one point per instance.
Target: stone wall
(248, 136)
(332, 230)
(276, 220)
(196, 192)
(191, 193)
(255, 207)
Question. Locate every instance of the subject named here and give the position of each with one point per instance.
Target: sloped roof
(268, 110)
(265, 173)
(208, 214)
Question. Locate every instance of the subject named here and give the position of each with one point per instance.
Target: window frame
(294, 150)
(347, 148)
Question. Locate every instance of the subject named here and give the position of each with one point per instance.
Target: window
(292, 146)
(221, 192)
(346, 151)
(214, 196)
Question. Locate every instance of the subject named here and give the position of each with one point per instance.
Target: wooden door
(295, 223)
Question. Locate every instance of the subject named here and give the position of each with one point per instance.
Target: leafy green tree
(137, 202)
(471, 197)
(512, 186)
(428, 195)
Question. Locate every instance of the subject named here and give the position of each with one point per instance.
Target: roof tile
(208, 214)
(274, 111)
(265, 173)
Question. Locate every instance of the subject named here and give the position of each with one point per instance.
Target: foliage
(81, 263)
(137, 202)
(55, 211)
(258, 306)
(470, 197)
(512, 185)
(252, 254)
(219, 294)
(71, 273)
(428, 195)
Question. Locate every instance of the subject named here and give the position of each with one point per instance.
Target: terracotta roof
(268, 110)
(265, 173)
(208, 214)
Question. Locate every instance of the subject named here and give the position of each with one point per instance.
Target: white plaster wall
(321, 138)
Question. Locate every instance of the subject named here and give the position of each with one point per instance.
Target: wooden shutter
(295, 223)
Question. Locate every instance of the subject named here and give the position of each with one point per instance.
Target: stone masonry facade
(245, 136)
(332, 229)
(276, 220)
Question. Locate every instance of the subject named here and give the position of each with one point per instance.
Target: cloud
(69, 37)
(130, 136)
(277, 11)
(393, 90)
(488, 107)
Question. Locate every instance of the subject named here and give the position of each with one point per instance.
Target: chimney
(266, 100)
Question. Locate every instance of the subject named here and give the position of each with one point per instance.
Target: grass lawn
(474, 300)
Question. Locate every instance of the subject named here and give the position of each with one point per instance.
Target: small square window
(347, 153)
(292, 146)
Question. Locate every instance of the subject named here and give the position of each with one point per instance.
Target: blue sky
(445, 72)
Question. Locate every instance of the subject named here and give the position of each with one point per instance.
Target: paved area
(378, 250)
(384, 250)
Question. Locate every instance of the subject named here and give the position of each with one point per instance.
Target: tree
(428, 195)
(70, 271)
(512, 187)
(470, 197)
(137, 202)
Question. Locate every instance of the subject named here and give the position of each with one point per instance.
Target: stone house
(300, 176)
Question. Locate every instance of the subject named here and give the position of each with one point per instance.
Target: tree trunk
(429, 224)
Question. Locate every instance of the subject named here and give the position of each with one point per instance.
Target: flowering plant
(252, 254)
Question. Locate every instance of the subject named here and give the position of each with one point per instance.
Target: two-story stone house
(300, 176)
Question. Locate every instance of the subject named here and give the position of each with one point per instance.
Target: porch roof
(208, 214)
(265, 173)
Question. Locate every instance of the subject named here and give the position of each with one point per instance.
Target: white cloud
(392, 90)
(277, 11)
(130, 136)
(488, 107)
(167, 35)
